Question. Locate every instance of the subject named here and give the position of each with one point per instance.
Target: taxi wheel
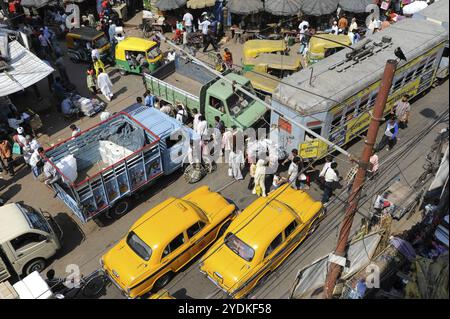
(123, 72)
(163, 281)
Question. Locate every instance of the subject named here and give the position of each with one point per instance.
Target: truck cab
(28, 238)
(186, 82)
(232, 106)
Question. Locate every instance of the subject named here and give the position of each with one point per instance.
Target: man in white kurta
(105, 85)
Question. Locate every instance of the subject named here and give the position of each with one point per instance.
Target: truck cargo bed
(185, 83)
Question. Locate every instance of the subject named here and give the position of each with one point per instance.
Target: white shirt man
(202, 127)
(302, 29)
(95, 54)
(227, 140)
(187, 19)
(196, 121)
(335, 28)
(325, 167)
(331, 176)
(34, 159)
(204, 26)
(181, 114)
(292, 172)
(105, 85)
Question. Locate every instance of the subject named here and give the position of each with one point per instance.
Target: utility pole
(364, 162)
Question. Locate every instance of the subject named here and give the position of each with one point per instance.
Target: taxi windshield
(239, 101)
(153, 53)
(101, 42)
(139, 246)
(239, 247)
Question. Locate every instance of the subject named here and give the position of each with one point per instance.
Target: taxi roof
(267, 217)
(12, 222)
(162, 223)
(136, 44)
(254, 47)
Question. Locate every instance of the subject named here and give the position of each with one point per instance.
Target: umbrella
(200, 4)
(319, 7)
(165, 5)
(414, 7)
(245, 7)
(355, 5)
(283, 7)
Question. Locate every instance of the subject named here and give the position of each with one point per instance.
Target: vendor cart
(401, 198)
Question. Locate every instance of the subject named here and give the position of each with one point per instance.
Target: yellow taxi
(163, 294)
(165, 239)
(260, 239)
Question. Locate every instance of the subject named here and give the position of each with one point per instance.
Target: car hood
(226, 268)
(124, 266)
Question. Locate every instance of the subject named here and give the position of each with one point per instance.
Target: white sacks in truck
(112, 153)
(68, 167)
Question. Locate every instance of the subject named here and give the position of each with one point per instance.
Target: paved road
(84, 244)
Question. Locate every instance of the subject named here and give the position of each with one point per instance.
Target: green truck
(194, 86)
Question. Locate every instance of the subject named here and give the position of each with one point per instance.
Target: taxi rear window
(239, 247)
(139, 246)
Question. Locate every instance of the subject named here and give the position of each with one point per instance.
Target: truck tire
(34, 265)
(121, 208)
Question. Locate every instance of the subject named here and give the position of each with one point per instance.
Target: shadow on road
(73, 236)
(181, 294)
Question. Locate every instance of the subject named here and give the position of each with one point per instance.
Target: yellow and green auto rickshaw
(272, 55)
(132, 52)
(81, 41)
(261, 80)
(323, 45)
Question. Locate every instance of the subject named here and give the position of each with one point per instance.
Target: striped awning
(200, 4)
(25, 69)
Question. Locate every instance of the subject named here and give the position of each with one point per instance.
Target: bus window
(309, 137)
(397, 84)
(372, 100)
(336, 122)
(419, 70)
(430, 64)
(363, 103)
(409, 76)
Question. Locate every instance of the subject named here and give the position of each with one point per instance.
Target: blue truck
(147, 144)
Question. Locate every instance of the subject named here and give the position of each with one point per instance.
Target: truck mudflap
(70, 202)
